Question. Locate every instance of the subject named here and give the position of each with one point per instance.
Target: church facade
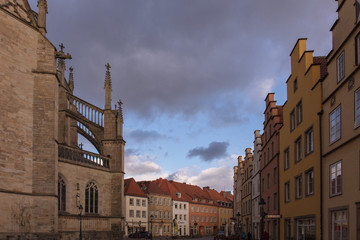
(48, 184)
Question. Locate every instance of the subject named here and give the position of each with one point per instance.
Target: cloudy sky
(192, 74)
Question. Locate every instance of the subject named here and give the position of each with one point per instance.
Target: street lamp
(139, 226)
(262, 214)
(151, 219)
(80, 211)
(238, 219)
(195, 224)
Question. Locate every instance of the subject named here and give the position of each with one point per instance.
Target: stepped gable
(132, 188)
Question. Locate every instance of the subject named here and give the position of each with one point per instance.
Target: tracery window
(61, 194)
(91, 198)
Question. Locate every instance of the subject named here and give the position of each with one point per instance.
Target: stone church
(48, 184)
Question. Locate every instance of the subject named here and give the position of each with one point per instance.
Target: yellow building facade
(299, 162)
(341, 127)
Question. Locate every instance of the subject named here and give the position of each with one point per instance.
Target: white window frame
(287, 191)
(298, 149)
(309, 140)
(286, 158)
(357, 48)
(340, 66)
(299, 113)
(335, 124)
(298, 187)
(292, 120)
(335, 171)
(137, 202)
(340, 223)
(143, 202)
(357, 108)
(131, 202)
(309, 181)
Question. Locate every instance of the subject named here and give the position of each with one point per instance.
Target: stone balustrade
(82, 156)
(87, 110)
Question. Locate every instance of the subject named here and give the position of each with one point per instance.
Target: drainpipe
(321, 178)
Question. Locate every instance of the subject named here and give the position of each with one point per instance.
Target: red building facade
(269, 163)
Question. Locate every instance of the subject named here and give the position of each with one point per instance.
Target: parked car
(141, 234)
(220, 235)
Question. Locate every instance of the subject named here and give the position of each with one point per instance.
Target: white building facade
(180, 217)
(256, 186)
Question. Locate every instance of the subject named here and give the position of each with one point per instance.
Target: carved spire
(120, 111)
(107, 87)
(61, 62)
(71, 79)
(41, 19)
(119, 120)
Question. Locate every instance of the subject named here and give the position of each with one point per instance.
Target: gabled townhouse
(203, 212)
(269, 164)
(255, 198)
(340, 121)
(237, 195)
(180, 207)
(225, 209)
(299, 165)
(160, 209)
(136, 206)
(246, 178)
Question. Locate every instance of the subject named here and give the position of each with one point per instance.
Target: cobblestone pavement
(185, 238)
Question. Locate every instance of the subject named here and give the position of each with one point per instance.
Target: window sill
(335, 195)
(331, 143)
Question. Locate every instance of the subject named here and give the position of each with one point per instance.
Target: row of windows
(160, 214)
(309, 185)
(138, 212)
(160, 201)
(203, 219)
(203, 209)
(296, 116)
(225, 211)
(298, 154)
(268, 180)
(143, 202)
(180, 216)
(181, 206)
(305, 228)
(91, 197)
(165, 228)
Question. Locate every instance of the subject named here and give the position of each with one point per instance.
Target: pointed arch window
(61, 194)
(91, 198)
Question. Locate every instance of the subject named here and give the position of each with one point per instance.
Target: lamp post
(195, 224)
(262, 214)
(139, 226)
(80, 212)
(151, 219)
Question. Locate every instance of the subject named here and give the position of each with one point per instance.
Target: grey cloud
(178, 57)
(141, 136)
(213, 151)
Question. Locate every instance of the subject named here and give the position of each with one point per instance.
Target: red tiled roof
(132, 189)
(323, 65)
(150, 187)
(170, 189)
